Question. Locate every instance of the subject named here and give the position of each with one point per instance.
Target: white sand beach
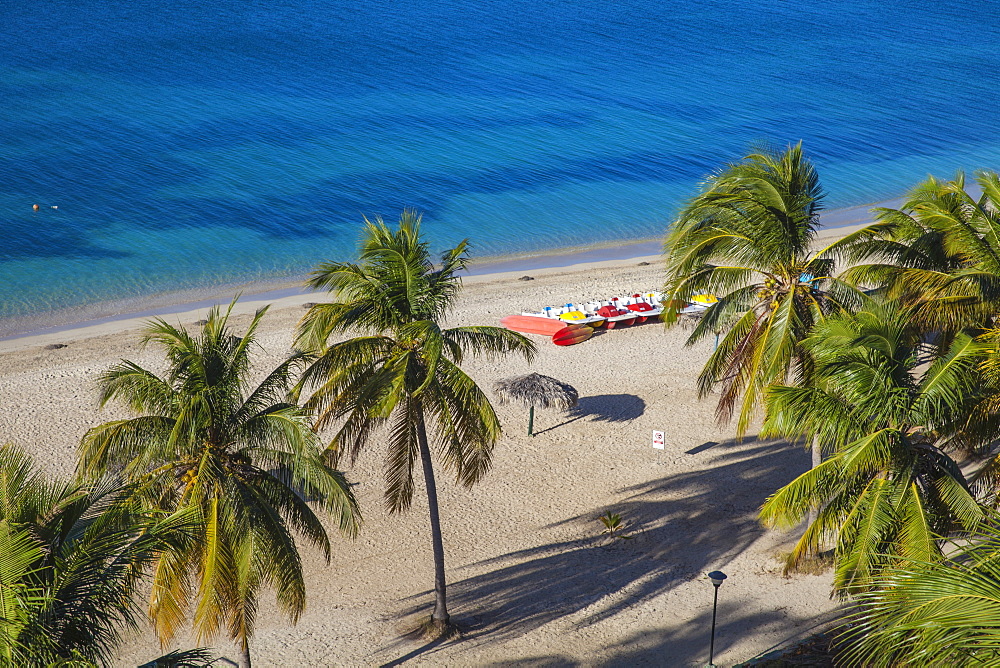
(531, 579)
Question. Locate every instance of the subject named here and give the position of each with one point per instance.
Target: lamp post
(716, 577)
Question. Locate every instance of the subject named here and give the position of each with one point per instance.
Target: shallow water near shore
(196, 147)
(182, 302)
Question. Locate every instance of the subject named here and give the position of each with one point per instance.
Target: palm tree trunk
(439, 617)
(817, 459)
(244, 656)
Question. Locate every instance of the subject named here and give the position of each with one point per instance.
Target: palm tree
(940, 250)
(403, 374)
(986, 417)
(943, 612)
(244, 457)
(747, 238)
(890, 490)
(71, 559)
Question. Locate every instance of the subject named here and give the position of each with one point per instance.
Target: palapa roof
(536, 390)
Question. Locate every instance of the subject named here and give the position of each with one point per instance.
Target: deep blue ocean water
(190, 144)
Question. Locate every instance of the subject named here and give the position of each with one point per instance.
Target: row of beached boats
(574, 323)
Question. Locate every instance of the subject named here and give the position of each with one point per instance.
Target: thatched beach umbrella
(534, 389)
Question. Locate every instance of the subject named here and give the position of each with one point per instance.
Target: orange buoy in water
(35, 207)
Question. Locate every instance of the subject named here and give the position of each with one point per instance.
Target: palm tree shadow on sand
(604, 408)
(685, 525)
(687, 644)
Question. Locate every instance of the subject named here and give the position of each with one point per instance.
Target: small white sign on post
(658, 440)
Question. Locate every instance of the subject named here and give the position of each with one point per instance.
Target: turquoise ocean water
(191, 144)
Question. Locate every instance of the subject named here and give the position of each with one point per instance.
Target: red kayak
(572, 334)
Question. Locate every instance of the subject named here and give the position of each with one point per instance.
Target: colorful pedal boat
(649, 304)
(644, 310)
(699, 304)
(581, 318)
(616, 317)
(568, 313)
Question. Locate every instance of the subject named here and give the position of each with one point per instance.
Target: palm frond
(490, 342)
(929, 612)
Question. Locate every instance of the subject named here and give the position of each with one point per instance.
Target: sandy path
(531, 579)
